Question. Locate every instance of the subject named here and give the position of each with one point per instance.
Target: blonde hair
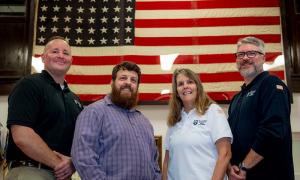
(202, 101)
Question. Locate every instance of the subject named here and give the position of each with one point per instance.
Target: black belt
(28, 163)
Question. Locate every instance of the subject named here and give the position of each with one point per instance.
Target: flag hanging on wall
(200, 35)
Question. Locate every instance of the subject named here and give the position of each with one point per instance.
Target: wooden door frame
(287, 19)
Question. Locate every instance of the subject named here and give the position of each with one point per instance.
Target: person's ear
(43, 57)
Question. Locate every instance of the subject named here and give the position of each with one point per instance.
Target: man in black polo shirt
(259, 117)
(41, 117)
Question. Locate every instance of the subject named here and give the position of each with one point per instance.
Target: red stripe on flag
(218, 96)
(202, 40)
(204, 4)
(207, 22)
(161, 78)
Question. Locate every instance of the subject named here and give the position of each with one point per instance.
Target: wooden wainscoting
(158, 141)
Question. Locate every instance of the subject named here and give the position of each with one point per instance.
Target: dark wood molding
(7, 85)
(16, 44)
(12, 2)
(295, 82)
(30, 11)
(290, 23)
(158, 141)
(285, 42)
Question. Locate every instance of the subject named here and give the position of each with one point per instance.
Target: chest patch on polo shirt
(78, 103)
(199, 122)
(251, 93)
(279, 87)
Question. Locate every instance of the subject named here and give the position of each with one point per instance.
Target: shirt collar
(256, 79)
(46, 75)
(189, 113)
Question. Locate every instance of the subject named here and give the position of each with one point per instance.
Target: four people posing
(113, 140)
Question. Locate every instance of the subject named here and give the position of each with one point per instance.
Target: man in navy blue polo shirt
(42, 112)
(259, 117)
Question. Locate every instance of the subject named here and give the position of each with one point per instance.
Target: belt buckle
(25, 163)
(32, 164)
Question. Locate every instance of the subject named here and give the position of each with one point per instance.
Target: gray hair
(252, 40)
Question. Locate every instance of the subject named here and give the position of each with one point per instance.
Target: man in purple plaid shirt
(113, 140)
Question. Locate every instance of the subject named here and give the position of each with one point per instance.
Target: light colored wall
(158, 115)
(296, 154)
(3, 110)
(295, 114)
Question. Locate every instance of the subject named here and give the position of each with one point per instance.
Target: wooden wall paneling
(290, 20)
(158, 142)
(16, 32)
(295, 76)
(286, 43)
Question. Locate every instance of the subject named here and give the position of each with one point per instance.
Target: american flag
(200, 35)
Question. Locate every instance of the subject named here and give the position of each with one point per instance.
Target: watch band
(243, 167)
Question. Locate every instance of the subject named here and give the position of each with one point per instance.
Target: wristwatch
(243, 167)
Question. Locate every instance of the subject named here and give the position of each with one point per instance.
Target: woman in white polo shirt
(199, 138)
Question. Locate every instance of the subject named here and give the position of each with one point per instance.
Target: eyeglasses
(249, 54)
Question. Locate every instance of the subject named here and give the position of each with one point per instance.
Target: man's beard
(250, 72)
(124, 100)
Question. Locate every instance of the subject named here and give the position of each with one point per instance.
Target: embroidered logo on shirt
(199, 122)
(78, 103)
(251, 93)
(279, 87)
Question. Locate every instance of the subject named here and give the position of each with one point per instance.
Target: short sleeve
(23, 104)
(167, 139)
(218, 123)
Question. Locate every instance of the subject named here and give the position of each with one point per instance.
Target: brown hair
(202, 101)
(126, 65)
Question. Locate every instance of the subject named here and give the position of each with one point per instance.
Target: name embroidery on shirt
(251, 93)
(199, 122)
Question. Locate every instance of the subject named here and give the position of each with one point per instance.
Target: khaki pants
(29, 173)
